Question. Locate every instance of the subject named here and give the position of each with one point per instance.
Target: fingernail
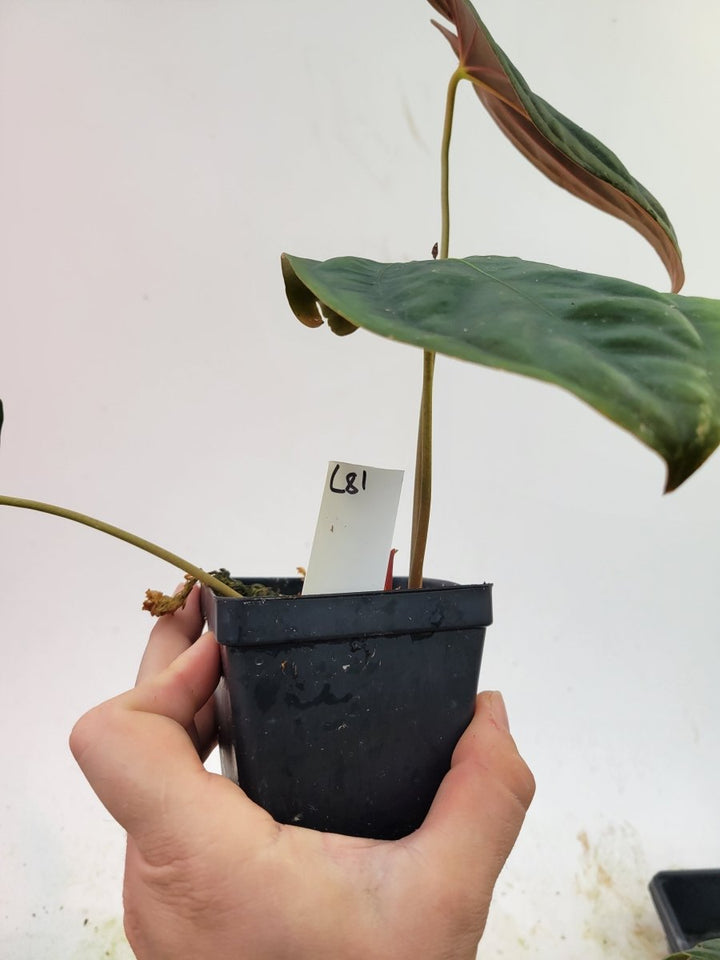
(498, 712)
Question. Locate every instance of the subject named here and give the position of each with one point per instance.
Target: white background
(156, 157)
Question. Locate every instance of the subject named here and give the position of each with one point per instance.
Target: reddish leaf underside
(566, 154)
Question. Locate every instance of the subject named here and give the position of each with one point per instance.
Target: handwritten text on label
(350, 479)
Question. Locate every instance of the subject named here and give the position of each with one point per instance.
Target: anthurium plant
(649, 361)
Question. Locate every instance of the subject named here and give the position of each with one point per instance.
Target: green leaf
(564, 152)
(709, 950)
(649, 361)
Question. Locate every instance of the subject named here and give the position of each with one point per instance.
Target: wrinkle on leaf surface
(649, 361)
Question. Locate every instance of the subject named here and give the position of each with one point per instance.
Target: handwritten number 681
(350, 481)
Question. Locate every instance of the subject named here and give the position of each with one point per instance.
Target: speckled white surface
(156, 159)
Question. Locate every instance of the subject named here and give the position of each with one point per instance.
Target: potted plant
(648, 361)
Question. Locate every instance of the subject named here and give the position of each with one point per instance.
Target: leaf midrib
(559, 331)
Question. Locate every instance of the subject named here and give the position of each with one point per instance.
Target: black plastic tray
(688, 903)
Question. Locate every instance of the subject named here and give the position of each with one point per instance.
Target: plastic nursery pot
(341, 712)
(688, 903)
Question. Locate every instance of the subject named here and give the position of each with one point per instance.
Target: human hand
(209, 875)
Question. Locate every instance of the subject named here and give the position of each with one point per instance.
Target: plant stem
(423, 460)
(455, 79)
(152, 548)
(423, 477)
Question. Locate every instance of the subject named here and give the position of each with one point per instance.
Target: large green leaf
(564, 152)
(709, 950)
(649, 361)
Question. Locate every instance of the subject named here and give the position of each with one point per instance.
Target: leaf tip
(681, 470)
(677, 273)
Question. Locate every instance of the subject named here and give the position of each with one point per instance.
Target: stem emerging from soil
(217, 585)
(423, 461)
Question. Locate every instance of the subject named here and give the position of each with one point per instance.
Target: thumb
(481, 804)
(135, 749)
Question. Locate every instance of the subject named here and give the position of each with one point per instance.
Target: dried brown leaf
(158, 603)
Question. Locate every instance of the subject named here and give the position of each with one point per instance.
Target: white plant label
(355, 528)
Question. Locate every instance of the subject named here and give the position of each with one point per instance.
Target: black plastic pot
(688, 903)
(341, 712)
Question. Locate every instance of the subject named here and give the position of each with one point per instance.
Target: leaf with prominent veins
(565, 153)
(649, 361)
